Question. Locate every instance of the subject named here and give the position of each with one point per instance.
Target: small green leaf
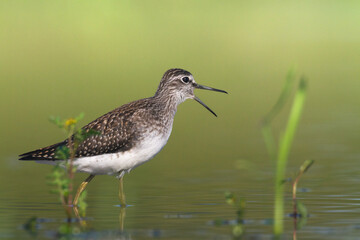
(229, 198)
(303, 213)
(80, 117)
(301, 209)
(82, 205)
(238, 230)
(57, 121)
(62, 153)
(306, 165)
(31, 225)
(65, 229)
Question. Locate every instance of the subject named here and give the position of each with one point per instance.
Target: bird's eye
(185, 79)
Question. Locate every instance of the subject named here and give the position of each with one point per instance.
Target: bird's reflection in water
(81, 219)
(122, 215)
(84, 224)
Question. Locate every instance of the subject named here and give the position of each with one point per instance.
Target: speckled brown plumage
(119, 130)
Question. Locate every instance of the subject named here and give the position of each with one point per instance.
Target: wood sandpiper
(129, 135)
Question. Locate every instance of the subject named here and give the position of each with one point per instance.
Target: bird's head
(180, 84)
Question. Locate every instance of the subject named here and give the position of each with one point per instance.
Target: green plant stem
(284, 149)
(304, 167)
(70, 173)
(70, 166)
(294, 189)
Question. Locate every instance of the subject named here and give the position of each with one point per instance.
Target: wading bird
(129, 135)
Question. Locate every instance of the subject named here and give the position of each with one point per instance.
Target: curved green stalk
(283, 153)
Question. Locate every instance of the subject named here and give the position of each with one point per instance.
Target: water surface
(62, 59)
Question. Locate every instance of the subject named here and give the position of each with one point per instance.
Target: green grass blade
(284, 149)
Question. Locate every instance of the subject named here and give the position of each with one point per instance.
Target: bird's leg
(121, 192)
(82, 188)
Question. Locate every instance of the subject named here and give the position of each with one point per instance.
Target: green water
(62, 58)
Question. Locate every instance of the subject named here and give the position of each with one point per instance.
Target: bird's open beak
(198, 86)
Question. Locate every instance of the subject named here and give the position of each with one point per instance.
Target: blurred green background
(65, 57)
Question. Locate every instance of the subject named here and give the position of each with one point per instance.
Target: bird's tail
(47, 153)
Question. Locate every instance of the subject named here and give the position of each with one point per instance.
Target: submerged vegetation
(299, 209)
(237, 224)
(239, 205)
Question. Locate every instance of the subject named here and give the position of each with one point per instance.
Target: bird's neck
(168, 103)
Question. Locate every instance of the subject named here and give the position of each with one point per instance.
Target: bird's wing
(116, 132)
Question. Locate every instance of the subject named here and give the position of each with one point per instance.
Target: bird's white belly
(121, 162)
